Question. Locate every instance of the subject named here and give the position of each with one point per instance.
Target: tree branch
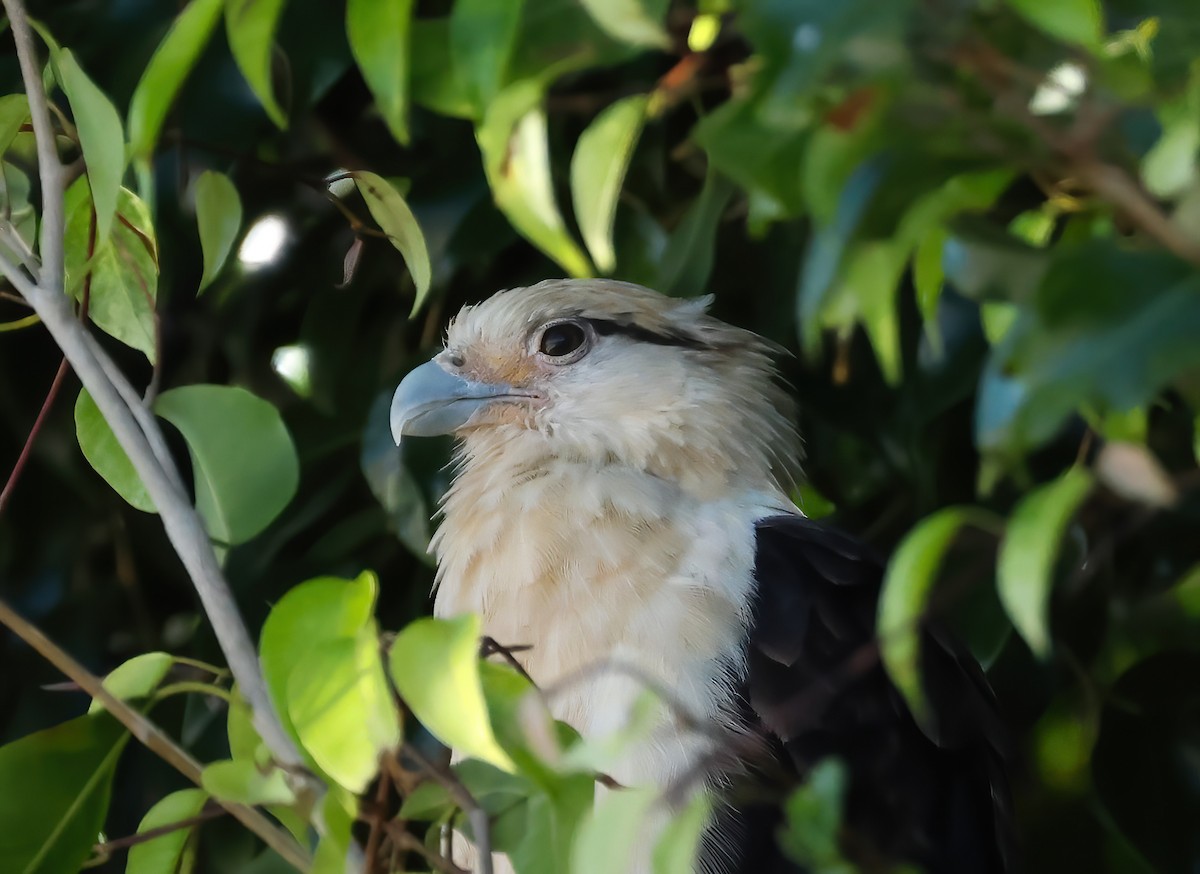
(134, 427)
(149, 734)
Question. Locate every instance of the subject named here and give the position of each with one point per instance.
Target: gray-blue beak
(431, 401)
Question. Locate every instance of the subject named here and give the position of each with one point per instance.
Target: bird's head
(605, 372)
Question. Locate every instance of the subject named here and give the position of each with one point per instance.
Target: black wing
(936, 798)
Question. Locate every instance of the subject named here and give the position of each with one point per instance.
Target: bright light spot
(806, 38)
(264, 241)
(292, 365)
(1060, 90)
(703, 32)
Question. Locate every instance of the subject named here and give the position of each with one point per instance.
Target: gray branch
(133, 425)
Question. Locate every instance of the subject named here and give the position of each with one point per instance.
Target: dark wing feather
(935, 798)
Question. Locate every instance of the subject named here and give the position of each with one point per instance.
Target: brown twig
(461, 795)
(402, 839)
(211, 812)
(55, 385)
(149, 734)
(378, 819)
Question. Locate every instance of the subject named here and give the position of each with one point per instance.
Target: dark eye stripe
(608, 327)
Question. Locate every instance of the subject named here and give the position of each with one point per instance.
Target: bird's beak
(431, 400)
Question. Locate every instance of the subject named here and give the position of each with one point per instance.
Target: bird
(623, 472)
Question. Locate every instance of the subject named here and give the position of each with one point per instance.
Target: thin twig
(1118, 188)
(27, 450)
(149, 734)
(151, 833)
(378, 821)
(405, 840)
(461, 795)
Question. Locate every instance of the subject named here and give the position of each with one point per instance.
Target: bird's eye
(562, 339)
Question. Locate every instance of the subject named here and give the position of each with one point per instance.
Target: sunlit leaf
(904, 600)
(100, 136)
(105, 455)
(379, 40)
(866, 292)
(163, 76)
(680, 841)
(243, 458)
(388, 207)
(1025, 566)
(219, 217)
(449, 702)
(333, 855)
(1075, 21)
(162, 854)
(242, 781)
(136, 678)
(250, 26)
(57, 787)
(637, 22)
(516, 158)
(1173, 163)
(620, 823)
(598, 170)
(314, 612)
(341, 705)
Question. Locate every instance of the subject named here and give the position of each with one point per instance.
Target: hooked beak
(431, 401)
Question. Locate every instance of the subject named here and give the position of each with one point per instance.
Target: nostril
(456, 360)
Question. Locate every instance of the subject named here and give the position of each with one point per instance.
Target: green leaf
(219, 217)
(1170, 167)
(1080, 22)
(866, 292)
(688, 259)
(679, 844)
(1025, 566)
(136, 678)
(242, 781)
(250, 26)
(598, 170)
(105, 455)
(436, 83)
(314, 612)
(379, 40)
(637, 22)
(341, 706)
(170, 65)
(482, 36)
(101, 138)
(14, 112)
(607, 839)
(386, 468)
(244, 461)
(389, 209)
(124, 269)
(333, 850)
(907, 585)
(1088, 344)
(828, 247)
(814, 814)
(163, 854)
(516, 159)
(448, 702)
(58, 784)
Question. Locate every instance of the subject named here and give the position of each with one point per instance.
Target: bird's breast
(615, 582)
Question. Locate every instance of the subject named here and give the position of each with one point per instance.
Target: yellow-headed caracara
(622, 498)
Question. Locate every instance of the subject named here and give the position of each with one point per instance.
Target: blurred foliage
(976, 222)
